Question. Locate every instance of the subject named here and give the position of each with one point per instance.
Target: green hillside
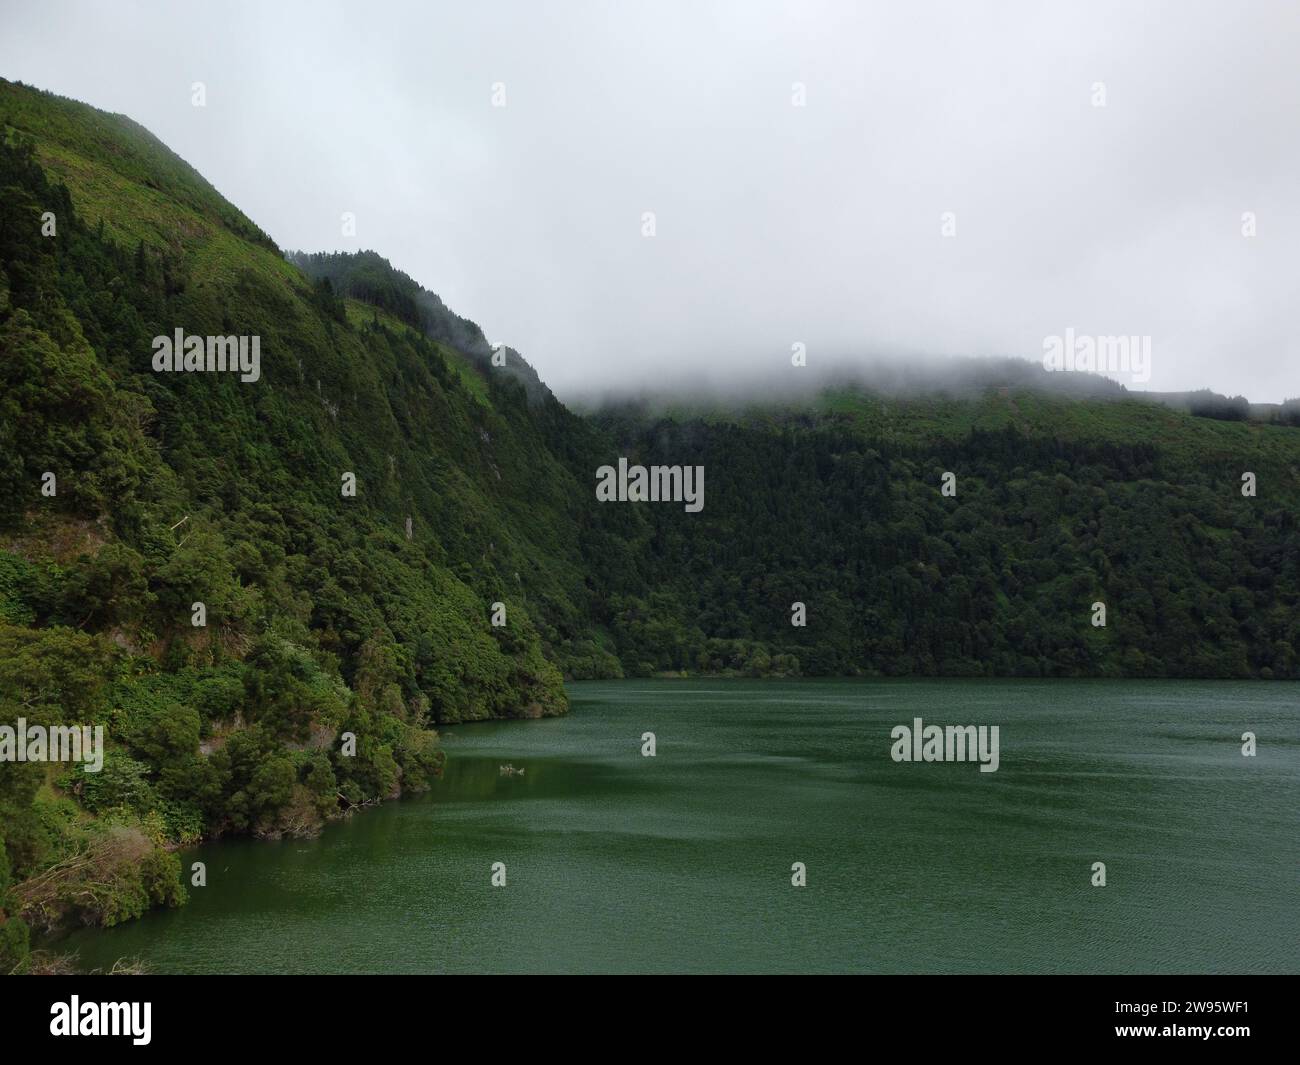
(323, 616)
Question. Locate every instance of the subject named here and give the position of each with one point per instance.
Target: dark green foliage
(174, 490)
(15, 937)
(1198, 580)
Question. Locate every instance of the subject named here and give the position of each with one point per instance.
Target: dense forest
(471, 569)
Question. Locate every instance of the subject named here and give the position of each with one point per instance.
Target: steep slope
(233, 577)
(334, 397)
(371, 279)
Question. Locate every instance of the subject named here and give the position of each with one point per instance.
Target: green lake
(616, 862)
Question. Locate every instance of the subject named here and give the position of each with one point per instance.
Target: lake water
(617, 862)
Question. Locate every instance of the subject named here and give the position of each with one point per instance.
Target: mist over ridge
(795, 382)
(942, 178)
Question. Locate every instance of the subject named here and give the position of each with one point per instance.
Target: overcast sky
(774, 223)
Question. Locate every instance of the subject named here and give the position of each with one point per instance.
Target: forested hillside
(1068, 492)
(1058, 505)
(130, 496)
